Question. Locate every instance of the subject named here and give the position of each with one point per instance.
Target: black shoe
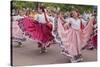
(19, 44)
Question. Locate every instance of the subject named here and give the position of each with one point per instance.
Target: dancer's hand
(66, 26)
(91, 17)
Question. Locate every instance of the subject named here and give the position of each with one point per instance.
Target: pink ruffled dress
(74, 38)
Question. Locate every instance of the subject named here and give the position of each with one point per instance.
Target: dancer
(74, 35)
(17, 34)
(47, 22)
(92, 43)
(39, 29)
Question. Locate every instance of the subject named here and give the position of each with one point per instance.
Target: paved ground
(29, 55)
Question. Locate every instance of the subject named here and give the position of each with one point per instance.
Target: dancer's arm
(65, 24)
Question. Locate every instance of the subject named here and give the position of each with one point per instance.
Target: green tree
(63, 7)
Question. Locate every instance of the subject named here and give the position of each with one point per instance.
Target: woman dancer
(17, 34)
(39, 29)
(73, 35)
(92, 43)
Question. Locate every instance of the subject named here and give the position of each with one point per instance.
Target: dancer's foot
(79, 60)
(72, 60)
(43, 50)
(19, 45)
(90, 48)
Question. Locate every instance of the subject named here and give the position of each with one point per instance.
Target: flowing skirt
(73, 40)
(35, 30)
(94, 40)
(17, 34)
(92, 43)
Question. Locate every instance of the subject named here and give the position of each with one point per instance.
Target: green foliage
(23, 4)
(63, 7)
